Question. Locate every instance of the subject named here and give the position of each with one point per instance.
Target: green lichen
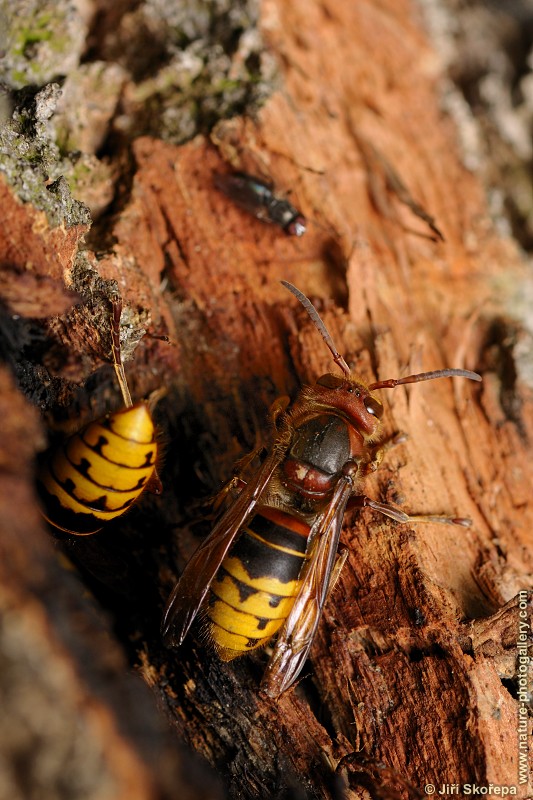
(40, 39)
(171, 70)
(30, 162)
(211, 66)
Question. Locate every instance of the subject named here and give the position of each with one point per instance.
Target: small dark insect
(100, 472)
(271, 560)
(257, 197)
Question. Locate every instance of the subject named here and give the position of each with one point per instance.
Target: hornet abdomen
(256, 584)
(98, 473)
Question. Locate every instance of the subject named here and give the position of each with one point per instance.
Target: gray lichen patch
(191, 64)
(30, 161)
(170, 70)
(487, 49)
(40, 40)
(88, 102)
(98, 294)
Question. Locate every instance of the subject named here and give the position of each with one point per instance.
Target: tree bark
(412, 679)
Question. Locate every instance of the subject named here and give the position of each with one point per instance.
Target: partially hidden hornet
(268, 565)
(258, 198)
(98, 473)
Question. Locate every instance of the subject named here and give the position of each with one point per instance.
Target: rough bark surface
(412, 676)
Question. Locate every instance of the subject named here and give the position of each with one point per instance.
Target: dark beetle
(258, 198)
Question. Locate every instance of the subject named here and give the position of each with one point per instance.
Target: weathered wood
(408, 663)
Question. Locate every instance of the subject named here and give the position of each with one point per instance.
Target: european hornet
(271, 559)
(258, 198)
(98, 473)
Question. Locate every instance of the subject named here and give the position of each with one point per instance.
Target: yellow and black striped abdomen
(254, 589)
(99, 472)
